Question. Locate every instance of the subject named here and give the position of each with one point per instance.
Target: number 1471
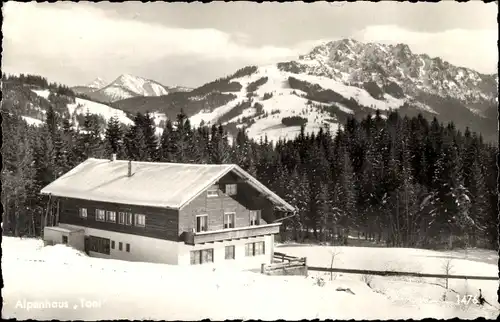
(466, 299)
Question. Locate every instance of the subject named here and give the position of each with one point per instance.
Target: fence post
(305, 266)
(262, 268)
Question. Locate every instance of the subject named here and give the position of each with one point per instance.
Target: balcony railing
(193, 238)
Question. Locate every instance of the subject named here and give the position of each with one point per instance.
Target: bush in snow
(367, 279)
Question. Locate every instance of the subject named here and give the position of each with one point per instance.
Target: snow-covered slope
(346, 77)
(32, 121)
(276, 99)
(82, 106)
(85, 288)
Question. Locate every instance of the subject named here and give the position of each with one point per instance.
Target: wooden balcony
(191, 238)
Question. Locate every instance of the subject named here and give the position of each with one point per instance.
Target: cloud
(474, 48)
(73, 44)
(86, 36)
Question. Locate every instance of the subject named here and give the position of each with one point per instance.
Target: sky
(191, 44)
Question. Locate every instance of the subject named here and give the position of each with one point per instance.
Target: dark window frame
(100, 245)
(136, 221)
(129, 219)
(202, 256)
(252, 250)
(255, 216)
(110, 218)
(228, 224)
(199, 225)
(213, 192)
(231, 189)
(121, 217)
(229, 252)
(83, 213)
(98, 213)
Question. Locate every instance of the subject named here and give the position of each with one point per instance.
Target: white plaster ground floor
(154, 250)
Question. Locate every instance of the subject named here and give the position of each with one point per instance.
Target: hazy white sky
(190, 44)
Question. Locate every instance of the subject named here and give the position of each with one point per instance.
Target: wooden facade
(160, 223)
(178, 225)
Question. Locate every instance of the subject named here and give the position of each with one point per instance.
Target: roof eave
(273, 197)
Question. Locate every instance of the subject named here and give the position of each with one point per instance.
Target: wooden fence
(288, 265)
(394, 273)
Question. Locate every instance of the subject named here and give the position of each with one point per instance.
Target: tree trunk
(16, 215)
(5, 224)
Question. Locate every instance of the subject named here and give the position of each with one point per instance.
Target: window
(127, 247)
(121, 218)
(112, 244)
(259, 248)
(201, 223)
(128, 218)
(254, 217)
(213, 192)
(100, 215)
(202, 256)
(111, 216)
(120, 246)
(254, 249)
(230, 252)
(82, 212)
(229, 220)
(231, 189)
(99, 245)
(65, 239)
(140, 220)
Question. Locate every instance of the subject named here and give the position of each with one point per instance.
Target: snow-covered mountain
(332, 81)
(97, 83)
(357, 63)
(125, 86)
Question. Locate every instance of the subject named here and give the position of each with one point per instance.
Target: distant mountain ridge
(333, 81)
(124, 86)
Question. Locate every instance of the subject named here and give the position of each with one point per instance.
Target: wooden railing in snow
(288, 265)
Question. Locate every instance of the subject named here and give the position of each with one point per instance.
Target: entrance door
(87, 244)
(65, 240)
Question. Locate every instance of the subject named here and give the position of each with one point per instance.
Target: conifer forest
(402, 181)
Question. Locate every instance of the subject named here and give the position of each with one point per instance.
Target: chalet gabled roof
(154, 184)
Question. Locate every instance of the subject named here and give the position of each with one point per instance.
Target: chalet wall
(246, 199)
(142, 249)
(160, 223)
(241, 261)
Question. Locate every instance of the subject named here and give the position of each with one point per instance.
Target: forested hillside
(407, 181)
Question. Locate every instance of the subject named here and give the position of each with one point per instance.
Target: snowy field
(57, 282)
(428, 295)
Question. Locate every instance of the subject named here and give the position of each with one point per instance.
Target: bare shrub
(367, 279)
(447, 266)
(320, 281)
(334, 253)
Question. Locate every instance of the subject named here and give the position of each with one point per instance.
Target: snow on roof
(155, 184)
(64, 229)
